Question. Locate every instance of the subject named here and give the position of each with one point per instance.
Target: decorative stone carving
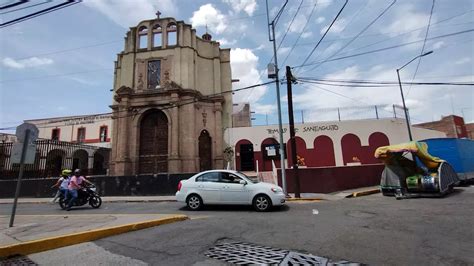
(140, 81)
(204, 118)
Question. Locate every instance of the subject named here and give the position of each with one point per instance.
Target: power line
(55, 75)
(357, 36)
(299, 36)
(387, 48)
(324, 35)
(410, 31)
(422, 48)
(26, 7)
(375, 82)
(69, 50)
(40, 13)
(170, 105)
(289, 26)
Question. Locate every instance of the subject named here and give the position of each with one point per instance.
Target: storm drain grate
(18, 260)
(242, 253)
(245, 253)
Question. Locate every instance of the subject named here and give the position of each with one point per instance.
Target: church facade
(171, 100)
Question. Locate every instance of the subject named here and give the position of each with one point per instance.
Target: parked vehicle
(87, 195)
(228, 187)
(410, 171)
(457, 152)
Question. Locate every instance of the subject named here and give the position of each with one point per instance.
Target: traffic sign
(15, 156)
(21, 132)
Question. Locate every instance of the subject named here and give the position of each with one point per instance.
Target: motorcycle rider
(75, 184)
(62, 184)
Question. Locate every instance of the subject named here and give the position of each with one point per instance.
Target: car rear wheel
(262, 203)
(194, 202)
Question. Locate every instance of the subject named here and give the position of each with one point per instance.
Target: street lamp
(401, 91)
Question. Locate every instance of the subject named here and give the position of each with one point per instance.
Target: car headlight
(276, 190)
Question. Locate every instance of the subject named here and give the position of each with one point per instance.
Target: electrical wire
(327, 30)
(40, 13)
(55, 75)
(26, 7)
(375, 82)
(301, 33)
(162, 106)
(358, 35)
(387, 48)
(422, 48)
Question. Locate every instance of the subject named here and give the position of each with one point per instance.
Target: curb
(363, 193)
(45, 244)
(304, 199)
(104, 201)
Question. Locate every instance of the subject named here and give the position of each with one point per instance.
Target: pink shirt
(75, 182)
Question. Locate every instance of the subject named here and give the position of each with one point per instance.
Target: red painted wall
(351, 148)
(322, 154)
(331, 179)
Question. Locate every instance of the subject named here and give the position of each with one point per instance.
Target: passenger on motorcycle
(75, 185)
(63, 184)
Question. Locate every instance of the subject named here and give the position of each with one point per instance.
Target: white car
(228, 187)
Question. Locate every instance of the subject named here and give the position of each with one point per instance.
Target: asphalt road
(371, 230)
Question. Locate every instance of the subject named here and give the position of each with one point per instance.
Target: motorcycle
(84, 196)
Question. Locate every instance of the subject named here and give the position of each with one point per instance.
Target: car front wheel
(194, 202)
(262, 203)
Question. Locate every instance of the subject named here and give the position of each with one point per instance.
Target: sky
(61, 63)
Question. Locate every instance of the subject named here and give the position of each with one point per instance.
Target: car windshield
(254, 180)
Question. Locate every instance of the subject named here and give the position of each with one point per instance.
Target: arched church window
(171, 30)
(142, 37)
(157, 35)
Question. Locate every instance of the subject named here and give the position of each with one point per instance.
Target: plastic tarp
(420, 149)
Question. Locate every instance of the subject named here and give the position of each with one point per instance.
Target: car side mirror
(243, 182)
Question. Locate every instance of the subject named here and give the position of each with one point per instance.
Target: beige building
(81, 129)
(169, 106)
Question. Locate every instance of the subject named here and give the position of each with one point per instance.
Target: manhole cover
(18, 260)
(242, 253)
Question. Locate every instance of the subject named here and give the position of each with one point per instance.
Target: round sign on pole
(21, 132)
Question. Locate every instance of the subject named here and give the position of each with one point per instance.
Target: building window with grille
(103, 134)
(55, 134)
(154, 71)
(156, 36)
(142, 37)
(81, 134)
(172, 36)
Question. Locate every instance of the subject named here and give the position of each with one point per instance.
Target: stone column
(122, 162)
(218, 137)
(174, 160)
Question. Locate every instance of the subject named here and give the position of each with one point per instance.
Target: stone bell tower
(171, 100)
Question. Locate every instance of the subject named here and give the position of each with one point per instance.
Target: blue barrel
(459, 153)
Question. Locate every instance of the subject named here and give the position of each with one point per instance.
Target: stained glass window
(154, 70)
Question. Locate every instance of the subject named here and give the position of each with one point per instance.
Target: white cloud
(263, 108)
(26, 63)
(463, 61)
(438, 45)
(249, 6)
(407, 19)
(320, 20)
(225, 42)
(244, 67)
(210, 16)
(306, 34)
(128, 13)
(337, 27)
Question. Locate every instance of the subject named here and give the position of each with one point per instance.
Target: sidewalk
(304, 196)
(36, 233)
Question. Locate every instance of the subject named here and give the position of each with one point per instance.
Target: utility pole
(271, 38)
(289, 80)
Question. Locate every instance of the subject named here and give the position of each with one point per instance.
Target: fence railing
(344, 113)
(53, 156)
